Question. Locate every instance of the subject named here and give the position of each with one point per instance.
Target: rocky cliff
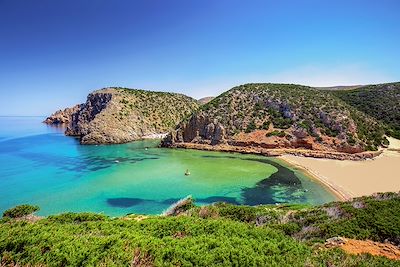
(62, 116)
(120, 115)
(271, 116)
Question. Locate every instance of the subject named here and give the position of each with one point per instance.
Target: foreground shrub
(217, 235)
(20, 211)
(180, 206)
(77, 217)
(237, 213)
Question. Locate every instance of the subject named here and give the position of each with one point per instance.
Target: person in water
(187, 172)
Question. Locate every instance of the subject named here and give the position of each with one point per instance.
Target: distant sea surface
(41, 166)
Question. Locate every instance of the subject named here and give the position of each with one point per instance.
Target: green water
(46, 168)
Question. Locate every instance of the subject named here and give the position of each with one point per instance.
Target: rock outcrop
(63, 116)
(279, 116)
(120, 115)
(200, 129)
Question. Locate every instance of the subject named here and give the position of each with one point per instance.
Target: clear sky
(54, 52)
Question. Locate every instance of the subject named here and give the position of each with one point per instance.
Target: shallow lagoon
(39, 165)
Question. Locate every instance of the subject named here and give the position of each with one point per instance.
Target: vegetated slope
(280, 116)
(205, 100)
(119, 115)
(220, 234)
(339, 87)
(381, 101)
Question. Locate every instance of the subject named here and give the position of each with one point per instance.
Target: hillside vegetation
(205, 100)
(220, 234)
(282, 116)
(119, 115)
(381, 101)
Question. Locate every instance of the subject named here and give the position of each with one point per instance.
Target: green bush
(77, 217)
(251, 127)
(20, 211)
(237, 213)
(276, 133)
(226, 235)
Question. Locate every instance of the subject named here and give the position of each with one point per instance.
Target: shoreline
(339, 193)
(350, 179)
(346, 176)
(276, 152)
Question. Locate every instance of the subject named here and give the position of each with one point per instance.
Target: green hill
(120, 115)
(381, 101)
(281, 116)
(216, 235)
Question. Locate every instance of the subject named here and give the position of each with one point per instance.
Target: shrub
(276, 133)
(230, 239)
(237, 213)
(20, 211)
(77, 217)
(251, 127)
(180, 206)
(265, 125)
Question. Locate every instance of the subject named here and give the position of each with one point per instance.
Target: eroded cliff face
(63, 116)
(120, 115)
(85, 125)
(273, 116)
(199, 129)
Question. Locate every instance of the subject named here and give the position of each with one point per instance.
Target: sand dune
(356, 178)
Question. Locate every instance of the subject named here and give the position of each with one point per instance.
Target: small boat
(187, 172)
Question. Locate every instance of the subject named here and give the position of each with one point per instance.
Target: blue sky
(53, 53)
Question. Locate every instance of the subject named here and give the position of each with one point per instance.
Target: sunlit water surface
(39, 165)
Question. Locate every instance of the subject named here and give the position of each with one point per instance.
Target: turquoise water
(39, 165)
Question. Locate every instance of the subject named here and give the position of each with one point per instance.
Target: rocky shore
(279, 151)
(63, 116)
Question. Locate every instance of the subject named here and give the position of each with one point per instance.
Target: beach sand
(350, 179)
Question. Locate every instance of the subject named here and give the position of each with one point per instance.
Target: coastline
(344, 175)
(349, 179)
(275, 152)
(338, 192)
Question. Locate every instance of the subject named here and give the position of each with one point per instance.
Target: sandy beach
(350, 179)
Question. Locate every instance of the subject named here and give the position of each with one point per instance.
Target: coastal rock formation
(62, 116)
(280, 116)
(120, 115)
(199, 129)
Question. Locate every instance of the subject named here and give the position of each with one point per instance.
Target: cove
(39, 165)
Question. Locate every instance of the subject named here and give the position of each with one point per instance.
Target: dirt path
(353, 246)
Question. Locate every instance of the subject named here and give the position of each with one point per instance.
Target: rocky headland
(268, 119)
(120, 115)
(63, 116)
(272, 119)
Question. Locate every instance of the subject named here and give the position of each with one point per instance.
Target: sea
(41, 166)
